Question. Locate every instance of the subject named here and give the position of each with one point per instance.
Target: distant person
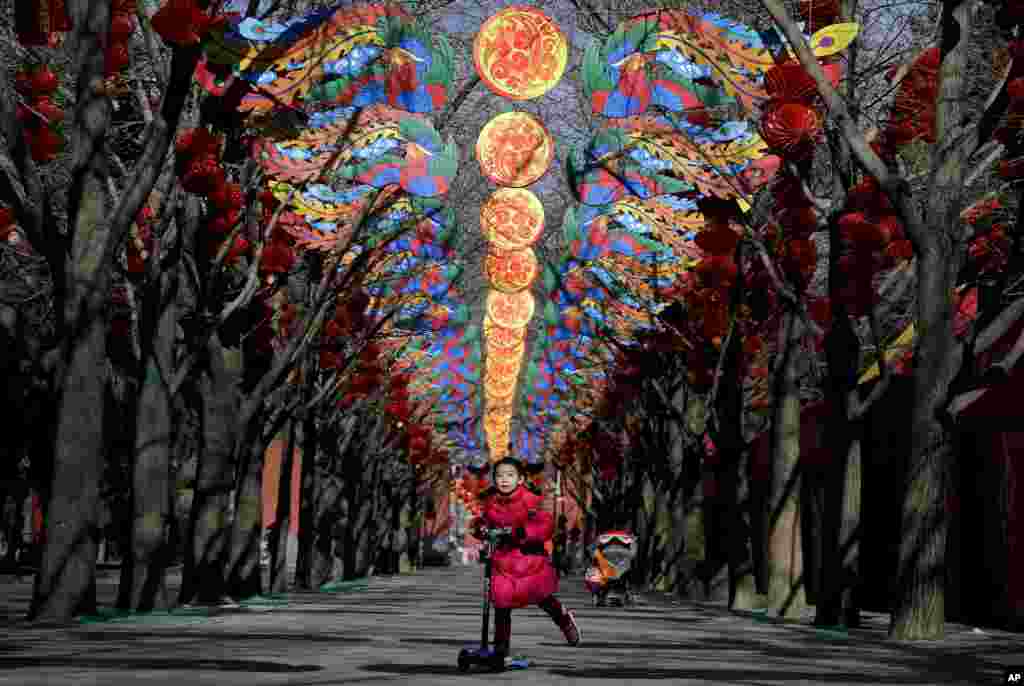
(522, 573)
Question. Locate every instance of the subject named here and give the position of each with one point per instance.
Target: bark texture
(785, 552)
(154, 440)
(204, 577)
(65, 580)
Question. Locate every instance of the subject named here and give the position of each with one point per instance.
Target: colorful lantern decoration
(501, 337)
(514, 149)
(520, 53)
(510, 310)
(511, 271)
(348, 56)
(512, 218)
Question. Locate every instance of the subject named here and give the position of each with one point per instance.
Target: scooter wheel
(463, 664)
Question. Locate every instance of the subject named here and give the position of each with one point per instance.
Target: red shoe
(570, 629)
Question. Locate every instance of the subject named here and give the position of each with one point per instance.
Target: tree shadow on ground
(219, 636)
(143, 663)
(626, 645)
(906, 666)
(759, 675)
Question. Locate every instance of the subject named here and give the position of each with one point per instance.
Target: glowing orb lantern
(512, 218)
(514, 149)
(511, 271)
(520, 53)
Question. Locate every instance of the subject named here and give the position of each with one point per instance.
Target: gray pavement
(409, 629)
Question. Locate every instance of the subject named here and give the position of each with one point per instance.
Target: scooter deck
(484, 658)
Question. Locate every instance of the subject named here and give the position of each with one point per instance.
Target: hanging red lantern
(278, 258)
(790, 82)
(798, 222)
(752, 345)
(817, 14)
(791, 128)
(718, 271)
(820, 310)
(718, 240)
(183, 23)
(862, 233)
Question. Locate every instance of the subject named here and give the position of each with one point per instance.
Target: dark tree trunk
(203, 576)
(733, 501)
(841, 516)
(280, 545)
(154, 440)
(243, 569)
(920, 601)
(785, 555)
(308, 507)
(65, 583)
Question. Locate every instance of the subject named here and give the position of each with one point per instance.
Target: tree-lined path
(408, 630)
(281, 282)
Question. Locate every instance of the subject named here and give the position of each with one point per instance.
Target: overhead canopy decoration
(351, 55)
(338, 98)
(660, 195)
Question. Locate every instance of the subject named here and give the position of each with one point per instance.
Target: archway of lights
(340, 100)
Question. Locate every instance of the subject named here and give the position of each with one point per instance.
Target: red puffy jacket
(522, 573)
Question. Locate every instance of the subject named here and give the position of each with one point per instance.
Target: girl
(522, 573)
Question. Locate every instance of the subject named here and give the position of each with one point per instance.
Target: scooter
(484, 655)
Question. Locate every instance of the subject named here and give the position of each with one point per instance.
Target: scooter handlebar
(492, 534)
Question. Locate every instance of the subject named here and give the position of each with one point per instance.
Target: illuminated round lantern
(510, 310)
(512, 218)
(511, 271)
(520, 53)
(514, 149)
(499, 387)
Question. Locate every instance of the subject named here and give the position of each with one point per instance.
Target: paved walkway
(409, 629)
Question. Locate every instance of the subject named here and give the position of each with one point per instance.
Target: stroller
(611, 561)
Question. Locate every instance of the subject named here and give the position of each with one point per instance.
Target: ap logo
(1014, 677)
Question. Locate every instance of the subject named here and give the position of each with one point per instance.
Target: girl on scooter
(522, 573)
